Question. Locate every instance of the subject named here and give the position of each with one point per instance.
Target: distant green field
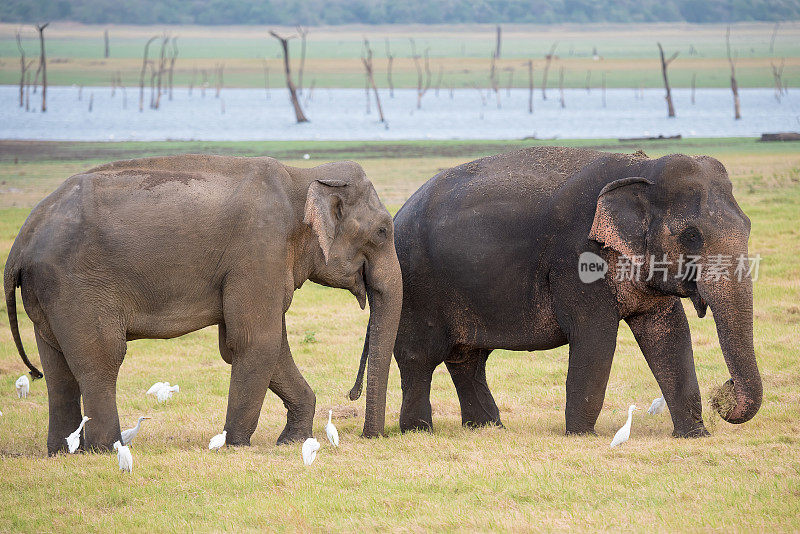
(627, 54)
(526, 477)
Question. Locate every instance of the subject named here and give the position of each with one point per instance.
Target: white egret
(624, 433)
(23, 386)
(74, 439)
(128, 435)
(306, 156)
(330, 429)
(155, 387)
(217, 441)
(310, 448)
(658, 406)
(165, 393)
(124, 456)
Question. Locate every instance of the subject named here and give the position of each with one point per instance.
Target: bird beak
(146, 418)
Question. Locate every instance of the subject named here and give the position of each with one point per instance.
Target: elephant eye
(691, 238)
(382, 232)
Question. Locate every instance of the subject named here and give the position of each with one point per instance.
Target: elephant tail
(10, 283)
(355, 393)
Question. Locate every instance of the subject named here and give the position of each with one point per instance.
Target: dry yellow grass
(528, 476)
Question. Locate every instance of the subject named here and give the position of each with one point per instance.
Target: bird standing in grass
(658, 406)
(165, 393)
(330, 429)
(74, 439)
(129, 434)
(124, 456)
(217, 441)
(310, 448)
(155, 387)
(624, 433)
(23, 386)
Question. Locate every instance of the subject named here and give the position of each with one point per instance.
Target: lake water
(249, 114)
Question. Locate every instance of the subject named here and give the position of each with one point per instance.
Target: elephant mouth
(359, 289)
(700, 305)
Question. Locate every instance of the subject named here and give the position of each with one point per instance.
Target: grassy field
(528, 476)
(627, 54)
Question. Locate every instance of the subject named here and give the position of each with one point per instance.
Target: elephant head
(681, 213)
(356, 251)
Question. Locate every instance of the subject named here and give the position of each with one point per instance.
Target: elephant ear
(323, 211)
(622, 216)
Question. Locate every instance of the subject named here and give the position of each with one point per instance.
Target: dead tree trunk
(194, 78)
(28, 91)
(493, 68)
(143, 72)
(530, 86)
(390, 59)
(561, 86)
(298, 111)
(603, 88)
(203, 83)
(107, 51)
(23, 68)
(589, 81)
(366, 92)
(266, 78)
(664, 64)
(734, 86)
(303, 32)
(367, 60)
(493, 78)
(36, 77)
(43, 64)
(172, 58)
(421, 90)
(220, 79)
(162, 61)
(438, 81)
(694, 83)
(777, 76)
(548, 58)
(153, 75)
(772, 39)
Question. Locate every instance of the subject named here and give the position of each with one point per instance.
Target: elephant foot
(293, 435)
(236, 439)
(580, 432)
(416, 424)
(481, 424)
(695, 432)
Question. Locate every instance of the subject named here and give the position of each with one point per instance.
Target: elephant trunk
(731, 302)
(385, 292)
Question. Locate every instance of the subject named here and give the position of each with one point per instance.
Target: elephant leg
(297, 396)
(63, 396)
(665, 340)
(253, 336)
(468, 370)
(99, 362)
(416, 373)
(591, 352)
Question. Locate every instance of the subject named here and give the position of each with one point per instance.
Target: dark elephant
(159, 247)
(490, 254)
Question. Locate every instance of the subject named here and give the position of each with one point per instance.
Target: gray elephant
(492, 254)
(159, 247)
